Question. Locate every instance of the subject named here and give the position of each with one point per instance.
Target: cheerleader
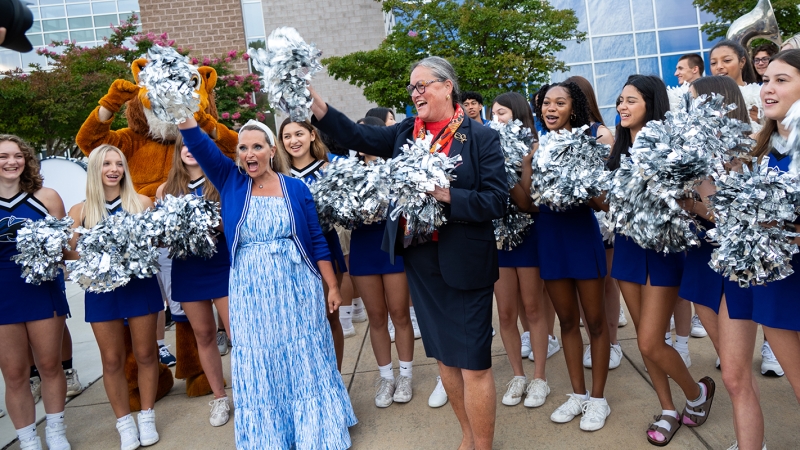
(724, 307)
(197, 283)
(109, 190)
(573, 262)
(519, 277)
(308, 156)
(31, 316)
(775, 304)
(649, 280)
(729, 58)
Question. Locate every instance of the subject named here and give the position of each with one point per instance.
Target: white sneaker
(698, 330)
(769, 364)
(2, 412)
(536, 393)
(513, 395)
(222, 343)
(36, 389)
(34, 443)
(391, 329)
(359, 313)
(349, 332)
(128, 434)
(594, 414)
(526, 343)
(438, 397)
(147, 428)
(687, 359)
(415, 326)
(402, 390)
(616, 356)
(587, 357)
(566, 412)
(734, 446)
(622, 319)
(220, 411)
(717, 365)
(552, 347)
(56, 437)
(385, 394)
(672, 322)
(74, 386)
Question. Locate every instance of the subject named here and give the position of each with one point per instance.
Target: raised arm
(214, 163)
(96, 130)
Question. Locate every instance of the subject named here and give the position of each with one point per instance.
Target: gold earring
(448, 96)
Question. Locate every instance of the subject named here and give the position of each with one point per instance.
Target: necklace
(261, 186)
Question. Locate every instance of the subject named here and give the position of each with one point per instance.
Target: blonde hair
(94, 209)
(178, 178)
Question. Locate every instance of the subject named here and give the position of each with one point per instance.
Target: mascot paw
(118, 94)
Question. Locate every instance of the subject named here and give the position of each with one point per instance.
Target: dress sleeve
(488, 201)
(318, 243)
(214, 163)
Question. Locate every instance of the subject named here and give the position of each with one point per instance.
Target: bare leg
(109, 337)
(398, 299)
(336, 327)
(506, 292)
(786, 346)
(612, 298)
(161, 325)
(66, 344)
(683, 317)
(221, 305)
(591, 294)
(45, 339)
(347, 285)
(201, 317)
(549, 309)
(143, 332)
(472, 397)
(710, 322)
(565, 301)
(523, 319)
(531, 294)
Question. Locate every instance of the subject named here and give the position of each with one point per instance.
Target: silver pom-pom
(569, 169)
(413, 173)
(287, 66)
(752, 210)
(186, 225)
(512, 228)
(792, 123)
(602, 220)
(170, 81)
(515, 141)
(40, 245)
(116, 249)
(351, 193)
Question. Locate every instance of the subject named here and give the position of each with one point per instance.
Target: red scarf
(444, 137)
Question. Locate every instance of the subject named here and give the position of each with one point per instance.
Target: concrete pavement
(183, 422)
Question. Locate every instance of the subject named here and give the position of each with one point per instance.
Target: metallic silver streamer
(287, 66)
(351, 193)
(516, 141)
(512, 228)
(170, 81)
(792, 123)
(186, 225)
(602, 218)
(116, 249)
(753, 209)
(40, 245)
(569, 169)
(413, 173)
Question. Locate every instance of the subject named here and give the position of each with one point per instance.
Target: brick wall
(209, 27)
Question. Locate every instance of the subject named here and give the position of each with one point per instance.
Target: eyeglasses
(758, 61)
(421, 85)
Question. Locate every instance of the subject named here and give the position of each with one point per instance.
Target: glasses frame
(421, 85)
(757, 61)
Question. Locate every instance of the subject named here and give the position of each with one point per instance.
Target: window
(80, 22)
(643, 17)
(54, 25)
(105, 21)
(613, 47)
(609, 16)
(104, 7)
(575, 52)
(646, 43)
(610, 77)
(682, 40)
(649, 66)
(253, 19)
(675, 13)
(82, 35)
(48, 12)
(79, 10)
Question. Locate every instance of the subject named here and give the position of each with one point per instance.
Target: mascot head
(141, 118)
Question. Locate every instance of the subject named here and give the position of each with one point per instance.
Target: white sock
(681, 344)
(161, 342)
(583, 397)
(523, 377)
(698, 401)
(405, 368)
(386, 371)
(346, 316)
(663, 423)
(124, 418)
(358, 303)
(26, 433)
(411, 311)
(56, 418)
(668, 338)
(601, 399)
(148, 412)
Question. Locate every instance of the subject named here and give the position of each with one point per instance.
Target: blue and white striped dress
(286, 387)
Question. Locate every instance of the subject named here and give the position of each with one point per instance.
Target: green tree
(494, 45)
(787, 12)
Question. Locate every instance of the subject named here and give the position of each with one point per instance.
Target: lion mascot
(148, 144)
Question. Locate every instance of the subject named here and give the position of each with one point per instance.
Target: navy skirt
(702, 285)
(634, 264)
(366, 256)
(776, 304)
(525, 254)
(335, 247)
(196, 279)
(570, 244)
(140, 297)
(22, 302)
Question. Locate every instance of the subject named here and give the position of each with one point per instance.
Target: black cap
(16, 18)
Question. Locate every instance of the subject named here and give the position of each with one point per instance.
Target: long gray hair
(442, 70)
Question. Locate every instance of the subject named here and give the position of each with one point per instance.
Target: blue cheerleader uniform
(311, 174)
(22, 302)
(140, 297)
(775, 304)
(196, 278)
(634, 264)
(702, 285)
(526, 254)
(366, 256)
(570, 244)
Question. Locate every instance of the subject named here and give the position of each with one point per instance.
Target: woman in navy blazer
(451, 274)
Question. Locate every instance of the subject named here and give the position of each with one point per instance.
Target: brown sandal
(694, 416)
(674, 424)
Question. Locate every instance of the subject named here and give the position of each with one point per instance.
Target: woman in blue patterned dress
(196, 282)
(109, 190)
(31, 316)
(286, 387)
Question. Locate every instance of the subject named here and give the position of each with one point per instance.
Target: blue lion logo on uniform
(9, 227)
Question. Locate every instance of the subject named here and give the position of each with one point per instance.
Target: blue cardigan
(234, 188)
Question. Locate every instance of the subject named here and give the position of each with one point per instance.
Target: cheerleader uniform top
(22, 302)
(140, 297)
(195, 278)
(310, 174)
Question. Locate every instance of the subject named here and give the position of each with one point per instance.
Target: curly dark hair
(31, 180)
(580, 106)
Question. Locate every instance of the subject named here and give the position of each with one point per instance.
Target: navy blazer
(467, 249)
